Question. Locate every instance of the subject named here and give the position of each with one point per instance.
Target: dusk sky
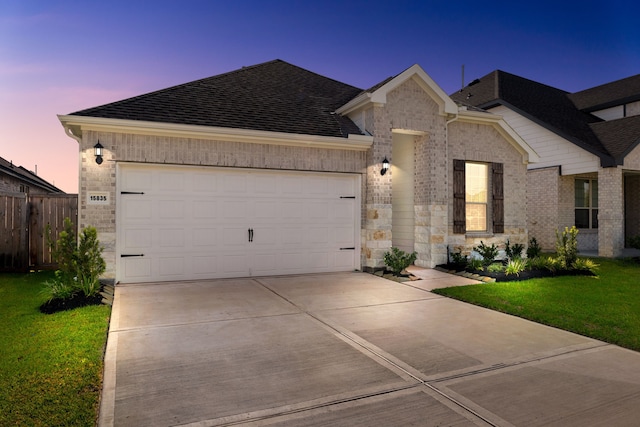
(57, 57)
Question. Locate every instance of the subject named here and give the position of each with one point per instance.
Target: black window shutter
(459, 209)
(497, 180)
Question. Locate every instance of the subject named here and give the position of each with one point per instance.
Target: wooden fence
(23, 223)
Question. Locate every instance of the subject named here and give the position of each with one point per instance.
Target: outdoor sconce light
(385, 166)
(98, 152)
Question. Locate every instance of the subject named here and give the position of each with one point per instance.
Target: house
(16, 179)
(589, 169)
(273, 169)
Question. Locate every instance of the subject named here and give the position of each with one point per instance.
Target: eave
(75, 125)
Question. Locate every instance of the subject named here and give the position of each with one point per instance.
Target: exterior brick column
(610, 212)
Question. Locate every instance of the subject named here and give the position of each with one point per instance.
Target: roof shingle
(273, 96)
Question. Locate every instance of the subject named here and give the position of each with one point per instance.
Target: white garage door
(183, 223)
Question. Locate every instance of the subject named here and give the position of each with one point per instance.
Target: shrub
(586, 264)
(488, 253)
(567, 247)
(458, 260)
(57, 288)
(397, 260)
(515, 266)
(515, 251)
(79, 265)
(496, 267)
(534, 250)
(476, 264)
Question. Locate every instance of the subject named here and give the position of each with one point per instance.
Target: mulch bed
(524, 275)
(78, 300)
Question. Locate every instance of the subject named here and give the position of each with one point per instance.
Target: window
(476, 196)
(473, 189)
(586, 195)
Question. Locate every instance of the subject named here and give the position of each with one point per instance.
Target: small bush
(476, 264)
(534, 250)
(515, 251)
(79, 265)
(585, 264)
(397, 260)
(515, 266)
(488, 253)
(567, 247)
(57, 288)
(459, 260)
(496, 267)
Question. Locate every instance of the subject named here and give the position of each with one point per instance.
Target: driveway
(349, 349)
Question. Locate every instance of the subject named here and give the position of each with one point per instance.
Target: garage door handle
(348, 249)
(129, 255)
(251, 234)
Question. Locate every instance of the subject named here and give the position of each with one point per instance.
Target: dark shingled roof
(26, 176)
(608, 95)
(553, 109)
(274, 96)
(620, 136)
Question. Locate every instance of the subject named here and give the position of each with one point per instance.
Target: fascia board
(476, 117)
(74, 125)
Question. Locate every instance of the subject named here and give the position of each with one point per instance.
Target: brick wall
(542, 205)
(482, 143)
(610, 212)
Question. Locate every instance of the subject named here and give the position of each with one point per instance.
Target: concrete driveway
(349, 349)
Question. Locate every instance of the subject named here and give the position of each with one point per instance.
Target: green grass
(606, 307)
(50, 364)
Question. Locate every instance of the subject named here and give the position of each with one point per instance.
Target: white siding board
(552, 149)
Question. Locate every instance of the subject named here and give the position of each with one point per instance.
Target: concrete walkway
(350, 349)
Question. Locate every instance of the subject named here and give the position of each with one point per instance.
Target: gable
(378, 94)
(552, 148)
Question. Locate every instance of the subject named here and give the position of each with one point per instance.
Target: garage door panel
(203, 238)
(136, 268)
(171, 209)
(344, 259)
(136, 238)
(205, 209)
(194, 222)
(137, 209)
(171, 267)
(205, 265)
(173, 238)
(234, 183)
(170, 182)
(205, 183)
(235, 264)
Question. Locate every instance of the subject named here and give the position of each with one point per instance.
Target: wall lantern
(385, 166)
(98, 152)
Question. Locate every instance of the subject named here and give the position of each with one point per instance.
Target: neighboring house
(273, 169)
(589, 169)
(16, 179)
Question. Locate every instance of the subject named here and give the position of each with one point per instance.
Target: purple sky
(57, 57)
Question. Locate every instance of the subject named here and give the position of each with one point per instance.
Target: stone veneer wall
(124, 147)
(482, 143)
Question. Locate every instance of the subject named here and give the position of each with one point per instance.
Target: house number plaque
(98, 198)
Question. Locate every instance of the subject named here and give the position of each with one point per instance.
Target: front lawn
(606, 307)
(50, 364)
